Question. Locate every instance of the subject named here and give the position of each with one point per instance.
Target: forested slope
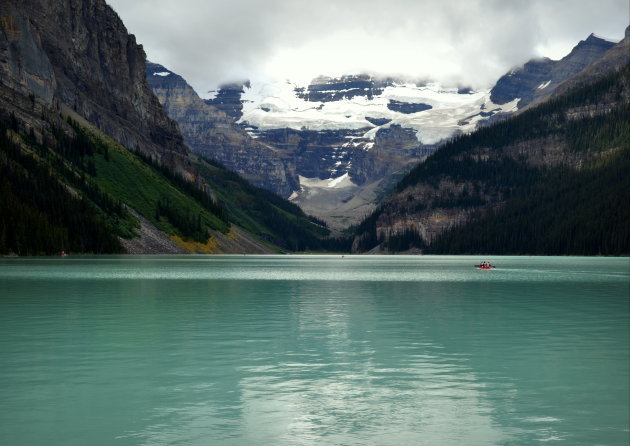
(552, 180)
(71, 188)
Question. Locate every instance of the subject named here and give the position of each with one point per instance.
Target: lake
(314, 350)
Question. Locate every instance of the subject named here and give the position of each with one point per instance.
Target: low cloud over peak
(453, 42)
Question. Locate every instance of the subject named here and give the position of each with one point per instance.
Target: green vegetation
(143, 185)
(366, 230)
(39, 214)
(69, 194)
(187, 223)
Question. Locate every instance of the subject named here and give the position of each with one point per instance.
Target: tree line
(38, 213)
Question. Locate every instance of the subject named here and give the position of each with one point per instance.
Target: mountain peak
(587, 51)
(530, 81)
(594, 38)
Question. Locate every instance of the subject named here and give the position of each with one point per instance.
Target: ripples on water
(310, 350)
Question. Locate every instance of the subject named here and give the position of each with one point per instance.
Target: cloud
(472, 42)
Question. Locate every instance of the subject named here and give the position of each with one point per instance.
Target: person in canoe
(484, 265)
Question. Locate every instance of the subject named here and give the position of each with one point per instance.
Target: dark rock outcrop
(317, 154)
(326, 89)
(407, 107)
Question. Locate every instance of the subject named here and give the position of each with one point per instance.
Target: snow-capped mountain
(430, 110)
(351, 136)
(343, 140)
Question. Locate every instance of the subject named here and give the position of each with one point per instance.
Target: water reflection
(256, 351)
(346, 365)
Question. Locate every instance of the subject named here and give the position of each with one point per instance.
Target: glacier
(276, 105)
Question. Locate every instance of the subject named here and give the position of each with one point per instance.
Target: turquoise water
(314, 350)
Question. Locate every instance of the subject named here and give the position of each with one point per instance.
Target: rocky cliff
(214, 134)
(76, 56)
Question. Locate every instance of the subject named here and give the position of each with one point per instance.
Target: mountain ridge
(538, 78)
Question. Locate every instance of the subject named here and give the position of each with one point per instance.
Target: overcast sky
(455, 42)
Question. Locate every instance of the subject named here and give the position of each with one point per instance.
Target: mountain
(345, 141)
(550, 180)
(77, 58)
(211, 132)
(539, 78)
(611, 60)
(91, 163)
(342, 141)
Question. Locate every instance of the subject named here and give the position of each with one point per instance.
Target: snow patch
(337, 182)
(543, 85)
(340, 182)
(161, 73)
(510, 107)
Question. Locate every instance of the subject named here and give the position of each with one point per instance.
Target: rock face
(276, 158)
(24, 65)
(76, 56)
(539, 78)
(213, 134)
